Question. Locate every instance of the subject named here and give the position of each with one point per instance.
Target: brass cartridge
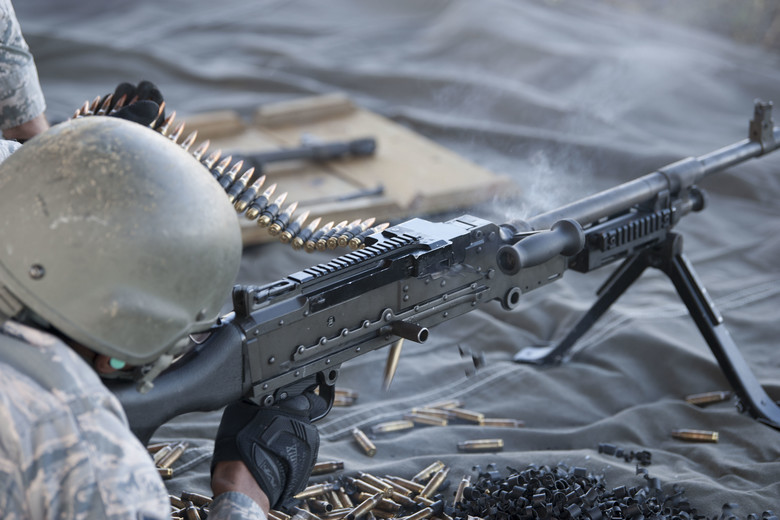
(173, 456)
(219, 169)
(273, 514)
(708, 398)
(238, 187)
(357, 241)
(347, 392)
(162, 453)
(294, 229)
(322, 243)
(303, 514)
(446, 405)
(502, 423)
(316, 490)
(429, 420)
(349, 233)
(191, 512)
(427, 472)
(196, 498)
(467, 415)
(481, 445)
(227, 178)
(433, 412)
(201, 150)
(365, 506)
(189, 141)
(165, 473)
(414, 487)
(177, 502)
(392, 426)
(695, 435)
(260, 203)
(270, 212)
(333, 241)
(364, 442)
(311, 243)
(434, 483)
(464, 483)
(330, 466)
(319, 506)
(249, 194)
(280, 221)
(391, 365)
(157, 446)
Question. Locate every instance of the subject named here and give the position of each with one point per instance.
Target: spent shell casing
(162, 453)
(428, 420)
(322, 243)
(177, 502)
(301, 513)
(373, 480)
(464, 483)
(316, 490)
(281, 220)
(329, 466)
(273, 514)
(708, 398)
(201, 150)
(346, 392)
(364, 442)
(300, 239)
(311, 243)
(433, 412)
(343, 400)
(364, 507)
(318, 506)
(695, 435)
(481, 445)
(165, 473)
(239, 185)
(423, 501)
(249, 194)
(293, 229)
(467, 415)
(414, 487)
(391, 365)
(392, 426)
(189, 140)
(260, 203)
(157, 446)
(334, 499)
(422, 514)
(446, 405)
(270, 212)
(428, 471)
(191, 512)
(385, 504)
(173, 456)
(344, 497)
(434, 483)
(196, 498)
(358, 240)
(502, 423)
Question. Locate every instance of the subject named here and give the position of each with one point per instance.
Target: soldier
(116, 245)
(21, 100)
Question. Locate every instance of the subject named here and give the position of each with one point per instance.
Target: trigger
(322, 402)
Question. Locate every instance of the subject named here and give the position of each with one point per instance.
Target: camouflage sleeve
(7, 148)
(235, 506)
(65, 447)
(21, 97)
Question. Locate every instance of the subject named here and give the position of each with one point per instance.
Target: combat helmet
(115, 236)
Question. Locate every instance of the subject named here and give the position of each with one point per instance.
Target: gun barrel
(672, 178)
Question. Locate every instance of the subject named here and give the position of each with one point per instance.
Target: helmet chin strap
(146, 374)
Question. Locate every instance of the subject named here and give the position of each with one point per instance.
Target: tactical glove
(278, 444)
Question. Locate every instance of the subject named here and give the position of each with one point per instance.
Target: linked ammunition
(201, 149)
(333, 240)
(104, 106)
(228, 178)
(311, 243)
(212, 158)
(351, 231)
(427, 472)
(392, 426)
(316, 490)
(282, 219)
(357, 241)
(260, 203)
(464, 483)
(300, 240)
(434, 483)
(160, 111)
(429, 420)
(708, 398)
(249, 194)
(502, 423)
(189, 140)
(174, 136)
(293, 229)
(270, 212)
(196, 498)
(467, 415)
(364, 442)
(481, 445)
(238, 187)
(217, 170)
(695, 435)
(330, 466)
(391, 365)
(322, 243)
(165, 124)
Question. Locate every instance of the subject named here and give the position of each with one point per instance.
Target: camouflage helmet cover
(116, 236)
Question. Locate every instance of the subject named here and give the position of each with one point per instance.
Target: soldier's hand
(278, 445)
(142, 103)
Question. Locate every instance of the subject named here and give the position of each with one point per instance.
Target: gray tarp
(566, 97)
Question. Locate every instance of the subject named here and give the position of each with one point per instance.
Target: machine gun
(292, 335)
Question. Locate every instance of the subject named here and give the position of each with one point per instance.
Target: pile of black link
(542, 492)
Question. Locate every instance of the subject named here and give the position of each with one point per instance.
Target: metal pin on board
(391, 365)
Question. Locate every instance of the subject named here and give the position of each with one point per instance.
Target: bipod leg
(753, 398)
(620, 280)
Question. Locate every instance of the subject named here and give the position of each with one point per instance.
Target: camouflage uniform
(65, 447)
(21, 98)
